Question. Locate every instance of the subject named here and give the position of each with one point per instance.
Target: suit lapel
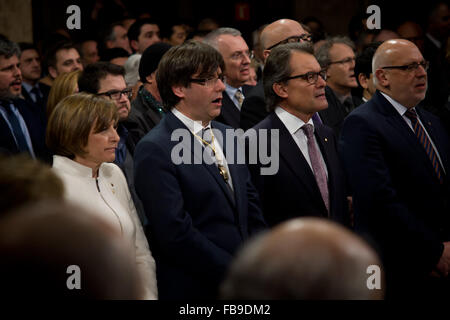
(295, 160)
(229, 111)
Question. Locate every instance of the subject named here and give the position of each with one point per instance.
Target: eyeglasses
(344, 61)
(410, 67)
(310, 77)
(306, 37)
(242, 55)
(208, 82)
(117, 94)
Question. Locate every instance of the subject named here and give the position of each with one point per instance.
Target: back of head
(64, 85)
(150, 59)
(131, 67)
(25, 181)
(303, 258)
(53, 250)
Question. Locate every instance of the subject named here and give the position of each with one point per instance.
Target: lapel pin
(326, 139)
(429, 123)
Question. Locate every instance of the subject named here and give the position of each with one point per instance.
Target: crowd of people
(116, 156)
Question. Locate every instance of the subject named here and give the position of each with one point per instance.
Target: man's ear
(280, 90)
(380, 74)
(52, 71)
(151, 78)
(179, 91)
(362, 79)
(134, 45)
(266, 54)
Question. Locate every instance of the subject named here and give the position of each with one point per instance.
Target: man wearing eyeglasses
(199, 213)
(108, 80)
(237, 57)
(337, 56)
(278, 32)
(310, 180)
(397, 157)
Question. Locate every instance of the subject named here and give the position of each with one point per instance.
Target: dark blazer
(195, 224)
(45, 91)
(293, 190)
(253, 108)
(229, 113)
(398, 201)
(334, 115)
(36, 129)
(144, 115)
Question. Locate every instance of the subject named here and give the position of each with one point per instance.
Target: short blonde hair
(64, 85)
(72, 120)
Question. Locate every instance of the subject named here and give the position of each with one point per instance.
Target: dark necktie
(316, 163)
(16, 129)
(348, 105)
(37, 94)
(426, 143)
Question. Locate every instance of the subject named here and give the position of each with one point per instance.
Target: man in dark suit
(201, 205)
(237, 57)
(21, 128)
(278, 32)
(310, 180)
(337, 56)
(397, 158)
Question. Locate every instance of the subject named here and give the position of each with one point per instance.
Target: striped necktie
(426, 143)
(239, 97)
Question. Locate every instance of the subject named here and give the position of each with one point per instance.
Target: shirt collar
(194, 126)
(401, 109)
(291, 122)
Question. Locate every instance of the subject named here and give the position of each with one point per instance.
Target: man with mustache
(337, 56)
(21, 127)
(237, 57)
(397, 158)
(310, 180)
(202, 208)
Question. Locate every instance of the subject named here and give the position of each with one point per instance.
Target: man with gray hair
(237, 56)
(21, 127)
(305, 259)
(310, 180)
(337, 56)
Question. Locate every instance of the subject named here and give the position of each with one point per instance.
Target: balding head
(278, 31)
(304, 258)
(406, 86)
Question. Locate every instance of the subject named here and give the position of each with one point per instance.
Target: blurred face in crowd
(341, 71)
(236, 55)
(89, 52)
(406, 86)
(121, 39)
(148, 36)
(413, 32)
(101, 147)
(113, 85)
(303, 97)
(30, 66)
(10, 77)
(178, 35)
(253, 79)
(67, 60)
(201, 101)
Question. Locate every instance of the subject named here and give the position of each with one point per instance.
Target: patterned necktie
(316, 163)
(426, 143)
(16, 128)
(239, 97)
(348, 105)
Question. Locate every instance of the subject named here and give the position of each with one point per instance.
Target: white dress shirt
(294, 126)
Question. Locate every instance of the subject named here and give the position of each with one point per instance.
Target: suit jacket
(35, 127)
(293, 190)
(335, 114)
(253, 108)
(43, 107)
(399, 203)
(229, 113)
(144, 115)
(195, 225)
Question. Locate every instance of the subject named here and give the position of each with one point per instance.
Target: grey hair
(211, 38)
(9, 49)
(278, 68)
(323, 53)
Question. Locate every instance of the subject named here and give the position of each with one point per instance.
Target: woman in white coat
(81, 133)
